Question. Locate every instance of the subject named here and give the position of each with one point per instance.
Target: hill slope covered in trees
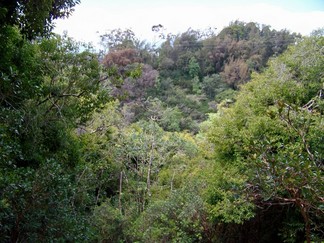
(205, 138)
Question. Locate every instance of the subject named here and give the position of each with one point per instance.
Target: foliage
(213, 86)
(109, 222)
(176, 219)
(272, 135)
(35, 18)
(193, 67)
(47, 89)
(236, 72)
(118, 39)
(115, 146)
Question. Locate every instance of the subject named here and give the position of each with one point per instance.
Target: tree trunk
(120, 191)
(149, 169)
(304, 211)
(148, 183)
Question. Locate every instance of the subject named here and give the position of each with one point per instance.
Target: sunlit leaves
(269, 134)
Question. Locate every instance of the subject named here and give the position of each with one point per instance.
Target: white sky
(94, 17)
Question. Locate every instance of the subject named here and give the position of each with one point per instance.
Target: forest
(206, 137)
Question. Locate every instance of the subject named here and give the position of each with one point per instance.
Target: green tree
(34, 18)
(213, 85)
(118, 39)
(194, 68)
(175, 219)
(47, 89)
(272, 137)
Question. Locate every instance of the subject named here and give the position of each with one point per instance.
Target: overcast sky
(94, 17)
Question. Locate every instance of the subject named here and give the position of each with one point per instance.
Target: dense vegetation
(205, 138)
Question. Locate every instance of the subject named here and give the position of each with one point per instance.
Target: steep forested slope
(201, 139)
(190, 73)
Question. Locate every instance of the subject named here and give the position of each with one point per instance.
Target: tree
(194, 68)
(272, 137)
(213, 85)
(118, 39)
(249, 42)
(35, 18)
(176, 218)
(48, 89)
(236, 72)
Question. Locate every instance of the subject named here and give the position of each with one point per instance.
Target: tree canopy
(273, 136)
(210, 137)
(34, 17)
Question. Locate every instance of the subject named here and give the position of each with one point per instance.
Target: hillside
(207, 137)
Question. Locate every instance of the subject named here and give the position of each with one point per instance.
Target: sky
(92, 18)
